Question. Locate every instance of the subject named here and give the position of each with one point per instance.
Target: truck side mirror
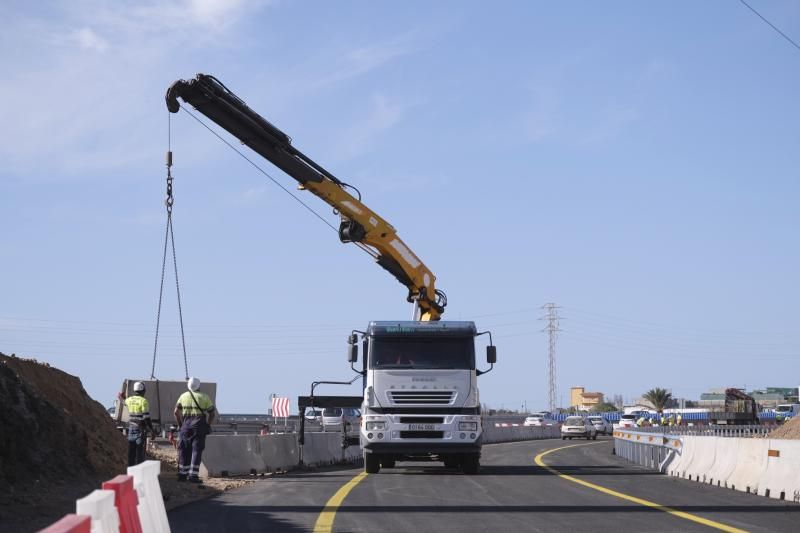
(491, 354)
(352, 348)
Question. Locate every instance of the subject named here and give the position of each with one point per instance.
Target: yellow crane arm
(359, 223)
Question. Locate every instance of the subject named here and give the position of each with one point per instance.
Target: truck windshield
(423, 352)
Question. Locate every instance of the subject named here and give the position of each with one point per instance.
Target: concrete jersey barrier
(703, 459)
(767, 467)
(245, 454)
(751, 463)
(781, 480)
(726, 458)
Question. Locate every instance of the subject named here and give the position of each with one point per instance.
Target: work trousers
(136, 445)
(190, 453)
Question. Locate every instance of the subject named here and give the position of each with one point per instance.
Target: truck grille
(421, 420)
(425, 397)
(421, 434)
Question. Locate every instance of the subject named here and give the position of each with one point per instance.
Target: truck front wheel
(372, 463)
(471, 463)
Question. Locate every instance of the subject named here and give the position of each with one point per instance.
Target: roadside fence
(710, 431)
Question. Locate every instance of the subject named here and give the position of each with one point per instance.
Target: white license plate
(421, 427)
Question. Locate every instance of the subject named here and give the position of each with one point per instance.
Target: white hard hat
(138, 387)
(193, 384)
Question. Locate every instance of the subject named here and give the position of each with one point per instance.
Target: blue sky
(635, 163)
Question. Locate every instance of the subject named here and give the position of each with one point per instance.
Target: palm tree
(659, 397)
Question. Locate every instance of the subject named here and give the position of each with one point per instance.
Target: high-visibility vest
(190, 408)
(138, 409)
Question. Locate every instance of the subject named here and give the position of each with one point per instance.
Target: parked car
(600, 424)
(334, 417)
(578, 426)
(627, 421)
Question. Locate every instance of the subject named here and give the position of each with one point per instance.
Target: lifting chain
(169, 200)
(169, 238)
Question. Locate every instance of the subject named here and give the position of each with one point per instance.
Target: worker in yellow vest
(138, 422)
(679, 419)
(194, 414)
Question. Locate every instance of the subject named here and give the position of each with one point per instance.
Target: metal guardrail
(647, 448)
(653, 446)
(710, 431)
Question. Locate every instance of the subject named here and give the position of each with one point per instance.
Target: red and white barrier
(152, 513)
(127, 504)
(127, 501)
(99, 506)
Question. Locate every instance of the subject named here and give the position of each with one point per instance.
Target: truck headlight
(468, 426)
(376, 426)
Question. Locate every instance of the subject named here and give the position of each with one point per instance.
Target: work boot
(195, 480)
(181, 477)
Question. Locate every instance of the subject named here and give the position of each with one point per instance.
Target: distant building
(768, 398)
(584, 400)
(771, 397)
(713, 399)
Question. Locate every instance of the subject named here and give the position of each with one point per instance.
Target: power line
(771, 24)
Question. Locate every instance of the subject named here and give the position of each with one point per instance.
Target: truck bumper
(427, 448)
(408, 434)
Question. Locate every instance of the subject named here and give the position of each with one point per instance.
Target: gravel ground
(179, 493)
(789, 430)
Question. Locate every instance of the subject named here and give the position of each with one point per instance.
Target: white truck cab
(421, 397)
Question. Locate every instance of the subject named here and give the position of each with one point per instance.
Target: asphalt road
(510, 494)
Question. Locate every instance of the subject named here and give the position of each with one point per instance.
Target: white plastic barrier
(152, 513)
(782, 476)
(100, 506)
(726, 458)
(750, 466)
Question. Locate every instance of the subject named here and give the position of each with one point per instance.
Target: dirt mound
(789, 430)
(56, 443)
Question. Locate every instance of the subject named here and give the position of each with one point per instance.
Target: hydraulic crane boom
(359, 223)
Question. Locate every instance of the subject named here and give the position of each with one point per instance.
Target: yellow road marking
(681, 514)
(324, 523)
